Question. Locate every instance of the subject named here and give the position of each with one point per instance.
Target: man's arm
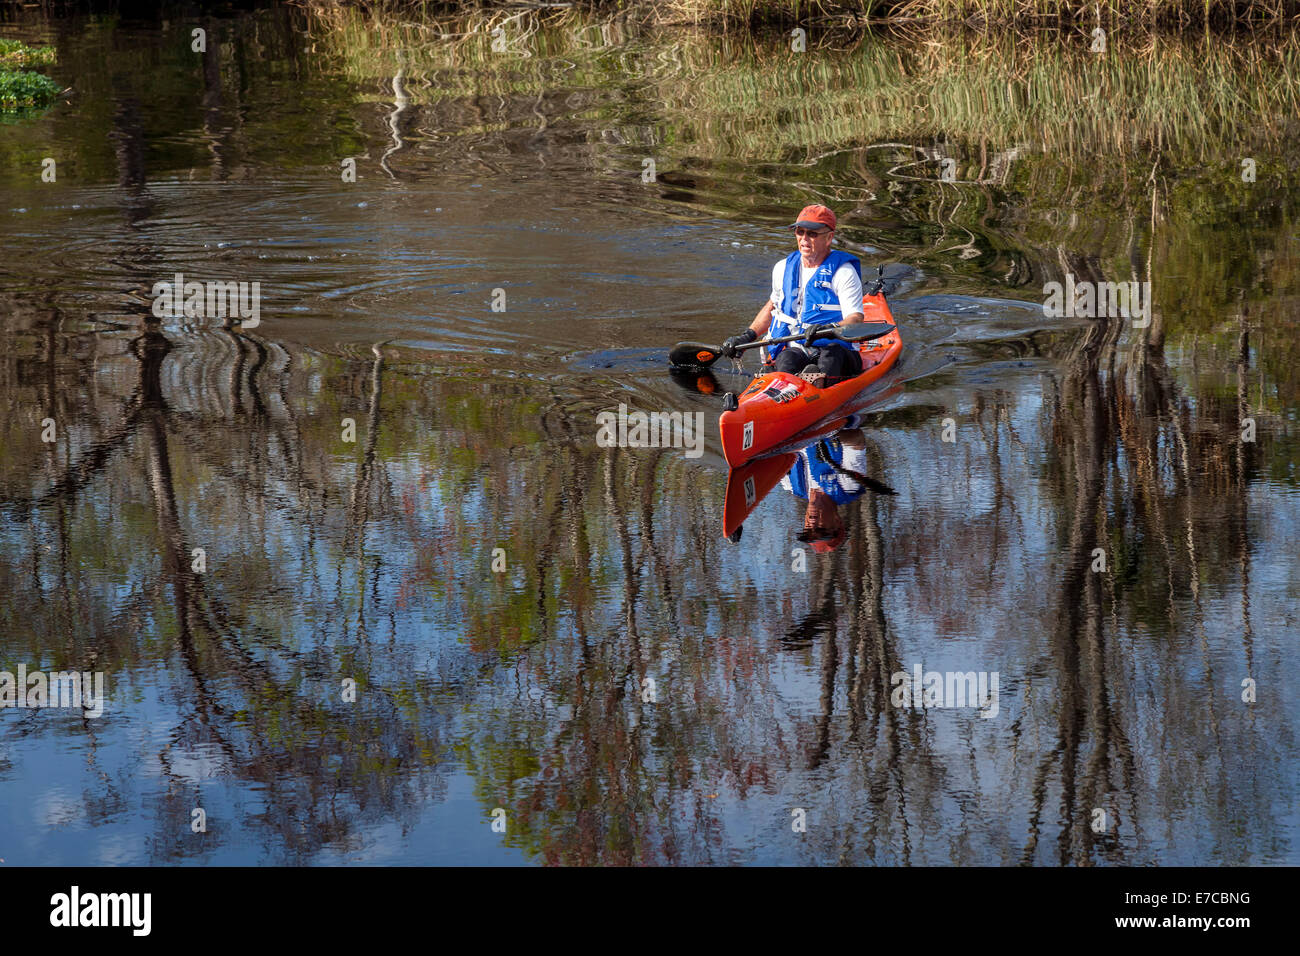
(848, 288)
(763, 321)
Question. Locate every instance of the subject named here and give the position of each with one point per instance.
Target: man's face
(813, 243)
(822, 515)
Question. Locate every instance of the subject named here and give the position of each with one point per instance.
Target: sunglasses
(800, 231)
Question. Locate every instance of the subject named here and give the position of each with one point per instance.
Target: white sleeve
(848, 287)
(851, 459)
(778, 281)
(855, 459)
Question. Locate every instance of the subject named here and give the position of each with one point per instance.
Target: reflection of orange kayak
(776, 406)
(748, 485)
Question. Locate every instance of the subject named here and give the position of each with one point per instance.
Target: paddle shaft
(698, 355)
(829, 332)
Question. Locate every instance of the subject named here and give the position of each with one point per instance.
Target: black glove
(731, 346)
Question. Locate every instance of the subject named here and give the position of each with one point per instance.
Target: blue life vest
(821, 306)
(809, 466)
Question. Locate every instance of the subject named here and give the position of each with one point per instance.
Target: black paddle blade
(693, 355)
(862, 331)
(879, 487)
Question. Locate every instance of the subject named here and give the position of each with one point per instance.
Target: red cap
(810, 217)
(829, 544)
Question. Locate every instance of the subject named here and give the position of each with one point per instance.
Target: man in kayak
(812, 286)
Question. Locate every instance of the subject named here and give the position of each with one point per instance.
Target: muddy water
(358, 650)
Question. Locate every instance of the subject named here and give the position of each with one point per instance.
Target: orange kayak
(777, 405)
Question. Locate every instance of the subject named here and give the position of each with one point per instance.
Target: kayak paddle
(697, 355)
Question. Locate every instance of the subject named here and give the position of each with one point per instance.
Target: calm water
(527, 689)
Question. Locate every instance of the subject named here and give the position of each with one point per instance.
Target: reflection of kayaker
(829, 474)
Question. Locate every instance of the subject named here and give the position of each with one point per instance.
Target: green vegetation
(22, 89)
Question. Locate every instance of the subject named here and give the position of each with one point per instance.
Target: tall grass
(1145, 14)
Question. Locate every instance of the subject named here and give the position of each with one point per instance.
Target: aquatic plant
(25, 89)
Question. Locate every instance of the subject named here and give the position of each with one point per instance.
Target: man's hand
(730, 348)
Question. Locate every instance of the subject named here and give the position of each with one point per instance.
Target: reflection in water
(770, 684)
(828, 476)
(536, 624)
